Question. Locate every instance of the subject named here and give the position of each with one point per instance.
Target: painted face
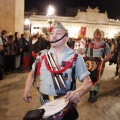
(57, 34)
(97, 35)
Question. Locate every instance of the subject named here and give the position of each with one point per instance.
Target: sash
(58, 80)
(57, 76)
(56, 73)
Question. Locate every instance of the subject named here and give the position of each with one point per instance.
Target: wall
(12, 15)
(92, 19)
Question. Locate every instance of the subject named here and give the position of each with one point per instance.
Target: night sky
(111, 6)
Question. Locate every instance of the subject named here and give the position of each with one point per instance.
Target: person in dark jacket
(118, 57)
(43, 43)
(18, 42)
(35, 48)
(5, 51)
(26, 49)
(13, 51)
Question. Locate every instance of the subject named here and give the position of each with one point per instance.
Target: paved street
(107, 107)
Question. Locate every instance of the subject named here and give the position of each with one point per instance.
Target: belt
(48, 97)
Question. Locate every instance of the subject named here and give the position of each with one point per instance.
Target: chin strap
(59, 39)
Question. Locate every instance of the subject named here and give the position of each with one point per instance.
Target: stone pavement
(107, 107)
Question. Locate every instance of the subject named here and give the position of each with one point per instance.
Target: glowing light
(111, 33)
(51, 10)
(27, 22)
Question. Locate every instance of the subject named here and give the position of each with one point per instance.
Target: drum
(95, 67)
(54, 108)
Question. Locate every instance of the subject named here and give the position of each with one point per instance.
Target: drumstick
(79, 89)
(32, 95)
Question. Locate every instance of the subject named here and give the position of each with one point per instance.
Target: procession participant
(97, 54)
(65, 59)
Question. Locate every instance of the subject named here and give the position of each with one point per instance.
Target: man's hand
(73, 96)
(27, 96)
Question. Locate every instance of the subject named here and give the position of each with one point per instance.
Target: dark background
(111, 6)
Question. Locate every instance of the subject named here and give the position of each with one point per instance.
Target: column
(12, 15)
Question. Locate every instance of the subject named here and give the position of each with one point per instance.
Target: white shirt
(77, 45)
(82, 43)
(34, 41)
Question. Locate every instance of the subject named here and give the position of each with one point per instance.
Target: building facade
(84, 23)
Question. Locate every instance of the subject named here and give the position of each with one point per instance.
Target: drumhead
(53, 107)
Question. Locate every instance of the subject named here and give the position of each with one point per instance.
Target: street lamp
(50, 13)
(27, 24)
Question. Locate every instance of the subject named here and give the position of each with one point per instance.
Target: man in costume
(97, 54)
(59, 67)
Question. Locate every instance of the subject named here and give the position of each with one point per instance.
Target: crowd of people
(18, 51)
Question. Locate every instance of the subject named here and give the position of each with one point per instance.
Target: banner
(83, 31)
